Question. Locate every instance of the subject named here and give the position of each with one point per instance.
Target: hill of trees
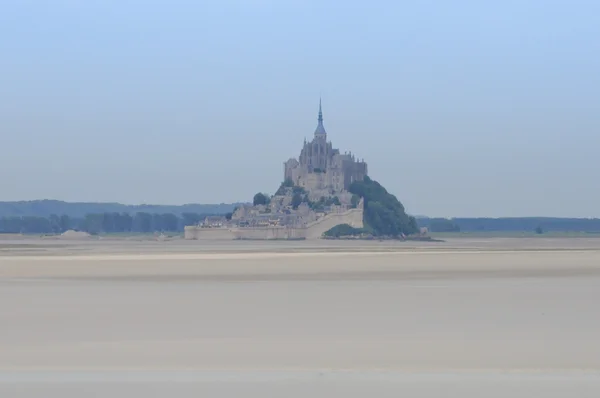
(45, 208)
(384, 215)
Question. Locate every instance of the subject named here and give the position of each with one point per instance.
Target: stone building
(321, 169)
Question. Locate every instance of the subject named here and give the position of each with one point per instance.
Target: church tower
(321, 169)
(319, 145)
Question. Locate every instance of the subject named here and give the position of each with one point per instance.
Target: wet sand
(462, 318)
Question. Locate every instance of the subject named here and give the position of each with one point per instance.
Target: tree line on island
(384, 215)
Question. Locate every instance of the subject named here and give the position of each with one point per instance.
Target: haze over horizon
(461, 110)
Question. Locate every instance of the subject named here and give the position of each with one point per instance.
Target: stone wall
(198, 233)
(313, 230)
(352, 217)
(269, 233)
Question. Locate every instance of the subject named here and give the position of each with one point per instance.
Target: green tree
(299, 190)
(354, 201)
(343, 230)
(11, 225)
(413, 225)
(93, 223)
(142, 222)
(191, 218)
(109, 222)
(296, 200)
(33, 224)
(287, 183)
(54, 223)
(124, 222)
(539, 230)
(169, 222)
(260, 199)
(65, 223)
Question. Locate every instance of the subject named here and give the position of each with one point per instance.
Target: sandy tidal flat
(471, 320)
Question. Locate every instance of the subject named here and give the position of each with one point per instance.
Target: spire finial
(320, 111)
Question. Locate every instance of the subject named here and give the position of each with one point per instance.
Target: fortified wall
(352, 217)
(196, 232)
(313, 230)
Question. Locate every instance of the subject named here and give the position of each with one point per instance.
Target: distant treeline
(516, 224)
(46, 208)
(97, 223)
(53, 216)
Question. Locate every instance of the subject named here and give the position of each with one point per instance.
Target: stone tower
(320, 150)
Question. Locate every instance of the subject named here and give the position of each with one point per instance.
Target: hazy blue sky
(460, 108)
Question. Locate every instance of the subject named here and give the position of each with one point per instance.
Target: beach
(297, 318)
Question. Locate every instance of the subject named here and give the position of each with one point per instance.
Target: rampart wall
(269, 233)
(352, 217)
(198, 233)
(314, 230)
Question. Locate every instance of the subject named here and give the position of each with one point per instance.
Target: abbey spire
(320, 130)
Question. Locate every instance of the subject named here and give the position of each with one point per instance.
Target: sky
(460, 108)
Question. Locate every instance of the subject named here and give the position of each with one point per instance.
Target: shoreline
(258, 254)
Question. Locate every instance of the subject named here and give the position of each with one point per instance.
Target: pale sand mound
(70, 234)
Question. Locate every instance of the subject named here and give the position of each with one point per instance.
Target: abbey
(321, 169)
(312, 199)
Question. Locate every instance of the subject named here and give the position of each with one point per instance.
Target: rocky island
(324, 193)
